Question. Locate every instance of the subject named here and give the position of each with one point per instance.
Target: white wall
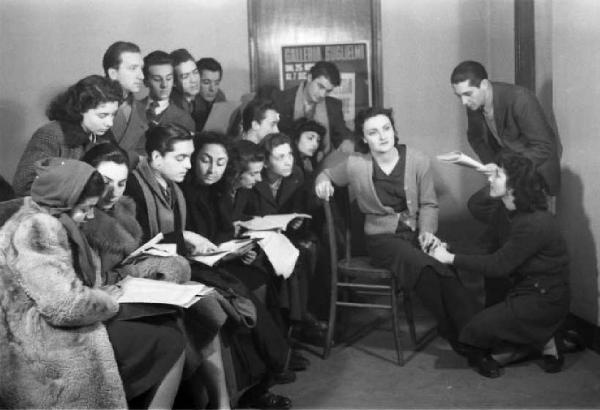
(48, 45)
(422, 42)
(576, 91)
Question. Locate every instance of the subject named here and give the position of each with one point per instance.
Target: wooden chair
(353, 274)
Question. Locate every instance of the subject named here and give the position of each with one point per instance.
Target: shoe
(552, 364)
(298, 362)
(312, 322)
(460, 348)
(267, 400)
(486, 366)
(572, 342)
(284, 377)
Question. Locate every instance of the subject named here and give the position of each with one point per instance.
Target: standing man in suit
(158, 109)
(311, 100)
(211, 74)
(122, 62)
(506, 116)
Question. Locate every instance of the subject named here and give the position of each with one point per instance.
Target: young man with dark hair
(196, 86)
(122, 62)
(157, 107)
(211, 74)
(311, 100)
(502, 115)
(259, 118)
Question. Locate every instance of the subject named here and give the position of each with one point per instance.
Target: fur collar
(116, 231)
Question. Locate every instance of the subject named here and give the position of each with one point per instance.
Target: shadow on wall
(582, 247)
(12, 130)
(545, 95)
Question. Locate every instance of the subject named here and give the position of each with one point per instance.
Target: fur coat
(115, 234)
(54, 350)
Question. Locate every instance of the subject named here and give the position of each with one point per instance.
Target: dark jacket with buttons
(533, 254)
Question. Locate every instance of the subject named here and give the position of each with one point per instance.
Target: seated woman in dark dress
(394, 189)
(208, 193)
(533, 254)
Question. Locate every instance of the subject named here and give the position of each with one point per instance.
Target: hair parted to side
(472, 71)
(272, 141)
(157, 57)
(328, 70)
(362, 117)
(181, 55)
(209, 138)
(161, 138)
(255, 110)
(112, 56)
(88, 93)
(209, 64)
(106, 152)
(529, 188)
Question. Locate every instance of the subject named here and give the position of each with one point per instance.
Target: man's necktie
(151, 113)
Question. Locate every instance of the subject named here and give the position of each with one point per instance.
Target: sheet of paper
(270, 222)
(457, 157)
(141, 290)
(151, 243)
(232, 247)
(279, 250)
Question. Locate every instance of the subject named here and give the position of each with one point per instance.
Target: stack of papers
(141, 290)
(226, 250)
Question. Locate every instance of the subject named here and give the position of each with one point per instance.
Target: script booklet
(270, 222)
(457, 157)
(153, 247)
(141, 290)
(225, 251)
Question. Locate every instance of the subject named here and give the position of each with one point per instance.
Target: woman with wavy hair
(532, 254)
(80, 118)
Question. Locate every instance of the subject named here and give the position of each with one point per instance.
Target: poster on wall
(352, 59)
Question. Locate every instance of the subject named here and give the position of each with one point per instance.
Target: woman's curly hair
(88, 93)
(529, 188)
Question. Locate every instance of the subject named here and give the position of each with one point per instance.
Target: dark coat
(210, 212)
(200, 109)
(55, 139)
(132, 136)
(533, 254)
(522, 127)
(290, 197)
(284, 104)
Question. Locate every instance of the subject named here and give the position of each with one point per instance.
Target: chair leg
(330, 323)
(396, 324)
(410, 318)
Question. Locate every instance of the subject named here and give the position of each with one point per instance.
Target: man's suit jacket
(284, 104)
(522, 127)
(133, 136)
(201, 109)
